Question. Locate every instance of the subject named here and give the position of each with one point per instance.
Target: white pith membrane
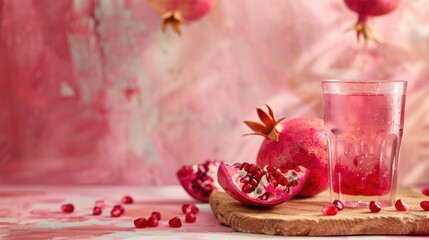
(264, 186)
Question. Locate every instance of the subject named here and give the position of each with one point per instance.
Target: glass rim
(364, 81)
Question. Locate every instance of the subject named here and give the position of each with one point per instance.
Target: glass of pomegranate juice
(363, 124)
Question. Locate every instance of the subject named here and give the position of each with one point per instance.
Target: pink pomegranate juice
(364, 133)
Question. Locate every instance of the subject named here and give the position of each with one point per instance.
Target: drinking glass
(363, 125)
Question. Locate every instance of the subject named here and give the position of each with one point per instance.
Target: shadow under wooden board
(303, 217)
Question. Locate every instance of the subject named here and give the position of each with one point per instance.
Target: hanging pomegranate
(366, 9)
(177, 12)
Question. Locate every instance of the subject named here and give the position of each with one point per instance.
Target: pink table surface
(33, 212)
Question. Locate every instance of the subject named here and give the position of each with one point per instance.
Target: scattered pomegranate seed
(116, 212)
(140, 222)
(330, 210)
(190, 218)
(122, 209)
(175, 222)
(152, 222)
(401, 205)
(127, 199)
(338, 204)
(190, 208)
(100, 204)
(157, 215)
(425, 191)
(67, 208)
(425, 205)
(97, 211)
(374, 207)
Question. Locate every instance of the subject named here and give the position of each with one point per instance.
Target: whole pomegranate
(367, 9)
(298, 141)
(176, 12)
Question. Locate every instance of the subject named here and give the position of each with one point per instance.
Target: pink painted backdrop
(92, 92)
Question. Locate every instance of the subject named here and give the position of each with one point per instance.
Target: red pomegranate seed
(374, 207)
(97, 211)
(190, 218)
(330, 210)
(425, 191)
(140, 222)
(122, 209)
(175, 222)
(67, 208)
(338, 204)
(100, 204)
(152, 222)
(401, 205)
(247, 188)
(245, 166)
(127, 199)
(190, 208)
(425, 205)
(116, 212)
(157, 215)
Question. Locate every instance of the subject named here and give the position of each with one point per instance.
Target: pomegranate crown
(268, 128)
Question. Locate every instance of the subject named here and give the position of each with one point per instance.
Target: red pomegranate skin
(301, 141)
(372, 7)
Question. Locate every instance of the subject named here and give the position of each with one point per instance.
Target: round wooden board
(304, 217)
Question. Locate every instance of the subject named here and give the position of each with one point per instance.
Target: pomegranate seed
(294, 183)
(152, 222)
(297, 168)
(127, 199)
(157, 215)
(100, 204)
(175, 222)
(254, 183)
(257, 176)
(270, 169)
(116, 212)
(338, 204)
(284, 169)
(140, 222)
(67, 208)
(236, 165)
(253, 168)
(247, 188)
(245, 179)
(425, 205)
(190, 208)
(374, 207)
(330, 210)
(425, 191)
(285, 182)
(122, 209)
(97, 211)
(264, 196)
(190, 218)
(245, 166)
(401, 205)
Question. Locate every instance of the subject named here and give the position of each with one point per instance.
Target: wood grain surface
(304, 217)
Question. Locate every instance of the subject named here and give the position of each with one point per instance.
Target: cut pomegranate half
(262, 187)
(199, 180)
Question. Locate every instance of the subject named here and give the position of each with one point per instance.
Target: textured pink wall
(93, 92)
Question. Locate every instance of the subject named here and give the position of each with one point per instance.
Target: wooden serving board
(304, 217)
